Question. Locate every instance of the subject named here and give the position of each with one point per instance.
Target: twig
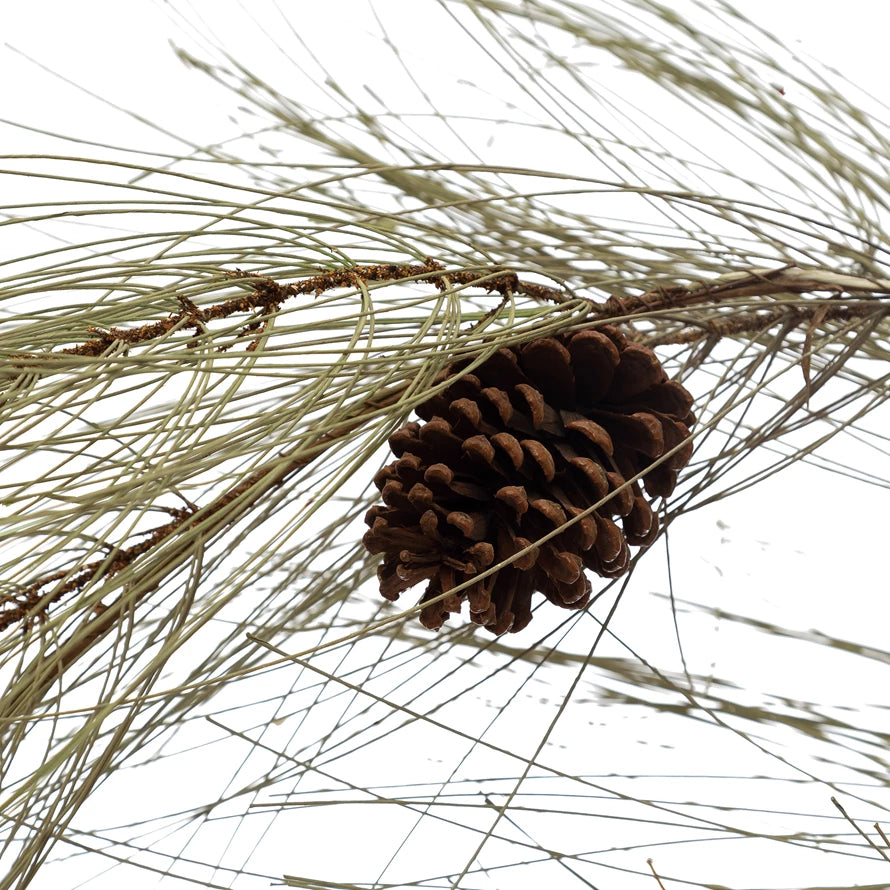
(868, 840)
(651, 865)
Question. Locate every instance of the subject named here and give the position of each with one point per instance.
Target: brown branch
(755, 322)
(31, 603)
(268, 295)
(755, 283)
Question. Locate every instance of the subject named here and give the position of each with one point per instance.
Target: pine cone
(508, 453)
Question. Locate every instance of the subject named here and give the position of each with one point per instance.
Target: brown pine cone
(508, 453)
